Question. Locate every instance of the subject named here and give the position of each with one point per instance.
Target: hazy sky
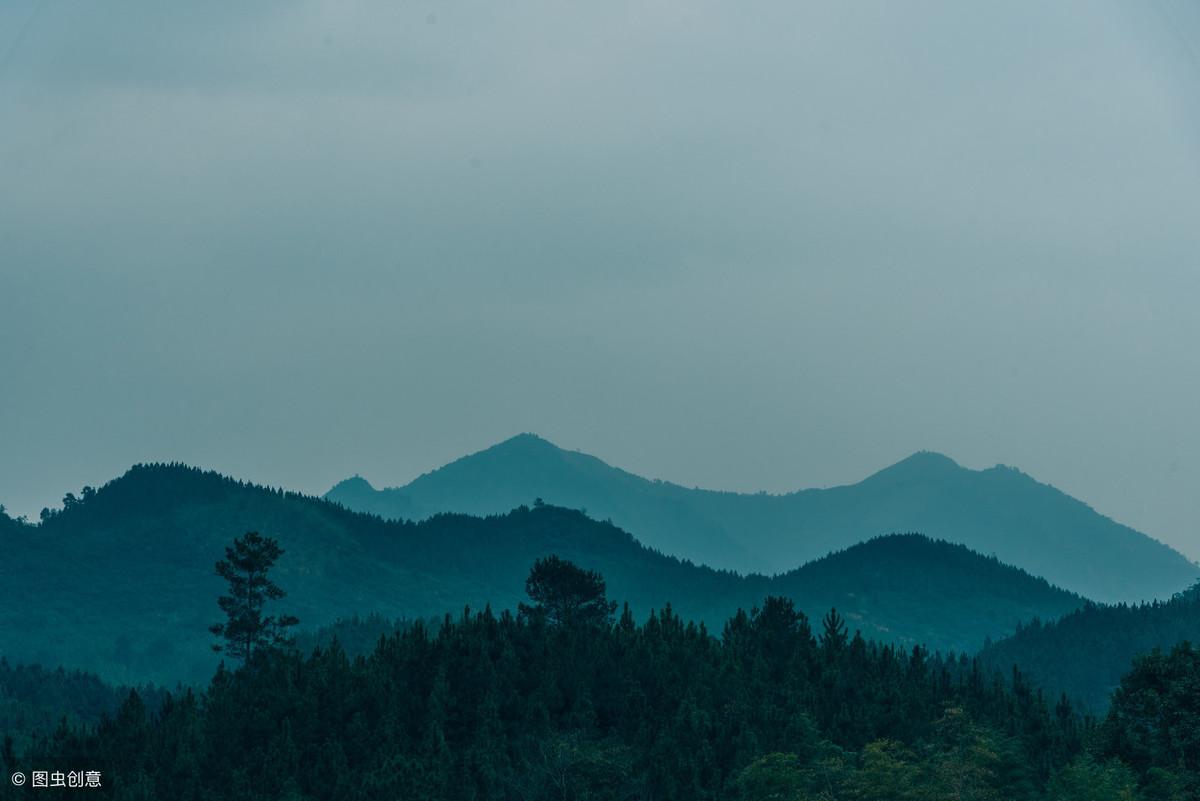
(738, 245)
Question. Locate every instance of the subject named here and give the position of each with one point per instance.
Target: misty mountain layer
(122, 582)
(998, 511)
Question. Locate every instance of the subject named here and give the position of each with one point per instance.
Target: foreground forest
(562, 701)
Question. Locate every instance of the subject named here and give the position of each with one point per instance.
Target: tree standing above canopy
(835, 635)
(246, 566)
(566, 594)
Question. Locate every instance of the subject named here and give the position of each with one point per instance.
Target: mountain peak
(524, 444)
(998, 511)
(521, 452)
(922, 465)
(525, 456)
(929, 460)
(354, 484)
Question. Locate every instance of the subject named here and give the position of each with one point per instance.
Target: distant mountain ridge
(999, 511)
(122, 582)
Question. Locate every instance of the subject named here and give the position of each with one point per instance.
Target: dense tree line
(1085, 653)
(1153, 725)
(35, 699)
(357, 635)
(561, 701)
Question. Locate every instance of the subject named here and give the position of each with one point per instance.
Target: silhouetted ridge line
(999, 511)
(150, 539)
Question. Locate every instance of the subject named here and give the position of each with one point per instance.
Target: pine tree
(835, 635)
(246, 566)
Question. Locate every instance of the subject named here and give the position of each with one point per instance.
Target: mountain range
(121, 581)
(999, 511)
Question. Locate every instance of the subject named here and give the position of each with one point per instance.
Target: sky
(742, 246)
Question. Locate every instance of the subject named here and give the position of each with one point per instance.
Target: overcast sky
(737, 245)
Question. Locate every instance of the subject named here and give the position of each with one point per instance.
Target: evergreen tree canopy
(508, 708)
(246, 566)
(1154, 721)
(566, 594)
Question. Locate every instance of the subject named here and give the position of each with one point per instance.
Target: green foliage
(570, 766)
(1153, 724)
(34, 699)
(966, 761)
(565, 594)
(888, 771)
(246, 567)
(1085, 779)
(357, 635)
(503, 707)
(783, 777)
(1085, 653)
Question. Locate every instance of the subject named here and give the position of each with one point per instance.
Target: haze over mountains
(122, 582)
(999, 511)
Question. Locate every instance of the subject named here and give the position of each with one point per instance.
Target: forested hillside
(36, 700)
(124, 583)
(999, 511)
(1086, 653)
(914, 590)
(501, 707)
(542, 706)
